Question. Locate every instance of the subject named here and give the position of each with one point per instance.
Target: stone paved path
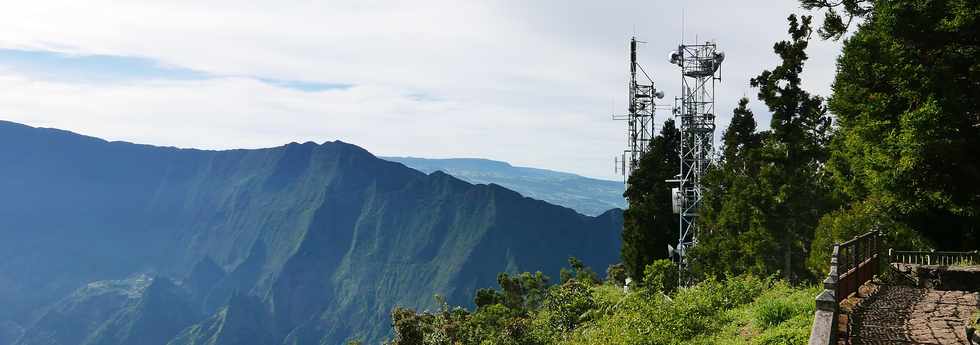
(908, 315)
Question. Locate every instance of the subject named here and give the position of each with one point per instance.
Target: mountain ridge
(326, 236)
(586, 195)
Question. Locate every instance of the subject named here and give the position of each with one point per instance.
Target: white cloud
(532, 83)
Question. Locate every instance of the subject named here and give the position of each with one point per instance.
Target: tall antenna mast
(700, 66)
(639, 117)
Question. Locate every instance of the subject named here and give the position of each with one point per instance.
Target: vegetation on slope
(735, 310)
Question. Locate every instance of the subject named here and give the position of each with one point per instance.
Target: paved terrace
(911, 315)
(930, 298)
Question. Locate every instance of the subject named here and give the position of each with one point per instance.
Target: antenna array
(700, 66)
(639, 118)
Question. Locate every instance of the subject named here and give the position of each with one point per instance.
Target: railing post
(876, 269)
(891, 256)
(824, 330)
(852, 283)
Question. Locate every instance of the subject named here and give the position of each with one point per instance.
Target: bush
(845, 224)
(661, 275)
(616, 274)
(486, 297)
(579, 271)
(773, 312)
(735, 311)
(568, 303)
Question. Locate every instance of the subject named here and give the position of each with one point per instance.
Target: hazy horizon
(529, 84)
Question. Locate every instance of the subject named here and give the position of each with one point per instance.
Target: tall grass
(741, 310)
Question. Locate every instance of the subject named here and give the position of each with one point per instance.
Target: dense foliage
(909, 137)
(649, 223)
(738, 310)
(768, 192)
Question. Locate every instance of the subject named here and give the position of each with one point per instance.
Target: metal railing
(852, 264)
(933, 258)
(858, 262)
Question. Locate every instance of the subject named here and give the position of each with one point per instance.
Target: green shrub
(579, 271)
(736, 311)
(485, 297)
(661, 275)
(616, 274)
(773, 312)
(567, 304)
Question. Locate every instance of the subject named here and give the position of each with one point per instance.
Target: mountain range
(118, 243)
(588, 196)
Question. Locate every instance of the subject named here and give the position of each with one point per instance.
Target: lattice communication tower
(700, 66)
(639, 117)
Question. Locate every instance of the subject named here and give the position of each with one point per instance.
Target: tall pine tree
(649, 224)
(766, 197)
(734, 240)
(795, 151)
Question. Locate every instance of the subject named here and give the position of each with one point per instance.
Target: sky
(533, 83)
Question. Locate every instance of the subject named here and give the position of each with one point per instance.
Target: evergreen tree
(794, 152)
(907, 102)
(740, 138)
(735, 240)
(649, 224)
(834, 23)
(764, 200)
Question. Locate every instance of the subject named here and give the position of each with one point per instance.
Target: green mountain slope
(328, 238)
(162, 310)
(588, 196)
(139, 309)
(242, 321)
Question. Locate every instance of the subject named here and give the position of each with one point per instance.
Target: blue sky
(104, 69)
(531, 83)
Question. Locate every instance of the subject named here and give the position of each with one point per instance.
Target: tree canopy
(649, 223)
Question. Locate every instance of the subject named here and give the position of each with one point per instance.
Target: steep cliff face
(137, 310)
(324, 239)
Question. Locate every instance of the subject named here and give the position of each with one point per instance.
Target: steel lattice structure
(700, 69)
(639, 118)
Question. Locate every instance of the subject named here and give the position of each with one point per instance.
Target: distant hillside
(586, 195)
(116, 243)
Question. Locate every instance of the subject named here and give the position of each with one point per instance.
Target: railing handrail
(933, 252)
(858, 238)
(859, 264)
(863, 253)
(932, 257)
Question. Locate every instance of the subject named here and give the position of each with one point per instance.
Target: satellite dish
(677, 200)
